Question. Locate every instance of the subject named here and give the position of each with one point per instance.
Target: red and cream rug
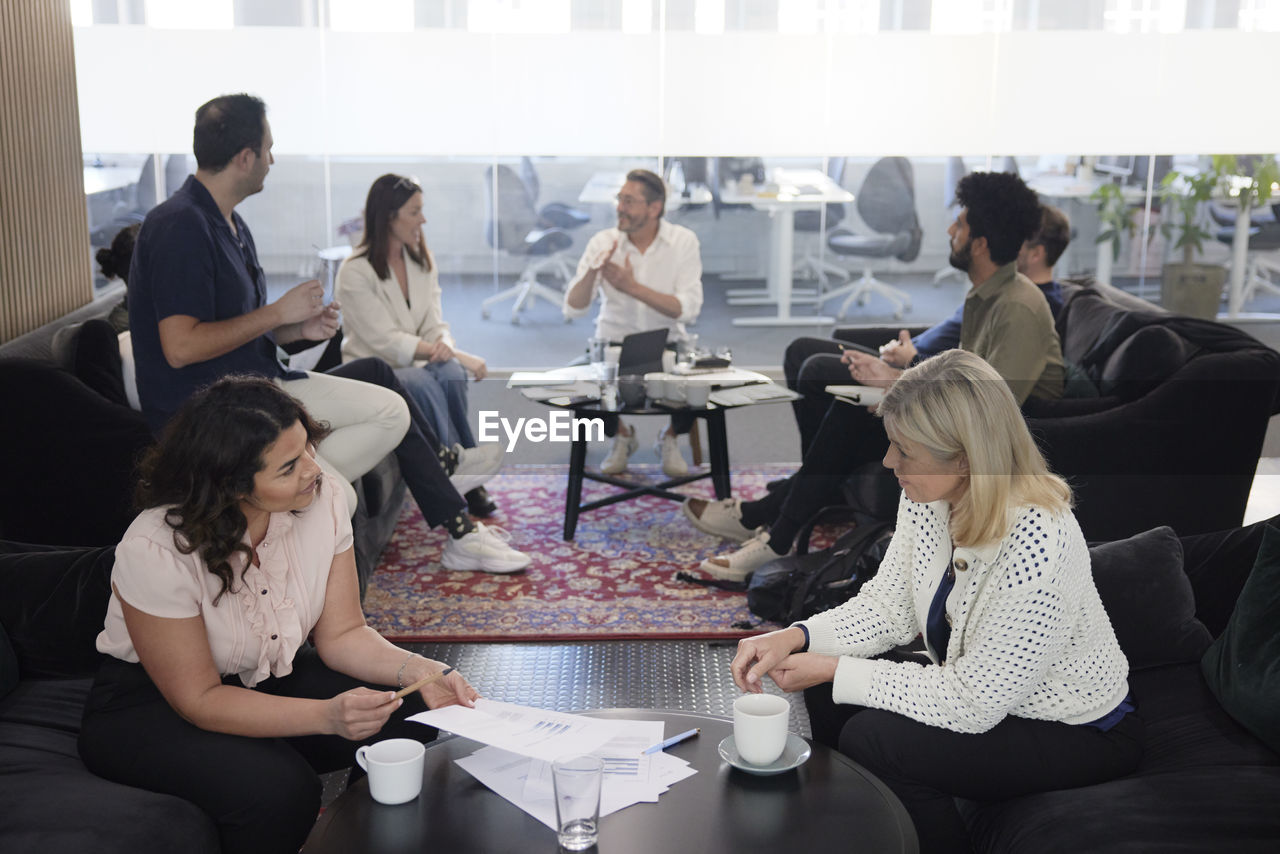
(615, 581)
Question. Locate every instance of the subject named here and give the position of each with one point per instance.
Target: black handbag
(794, 587)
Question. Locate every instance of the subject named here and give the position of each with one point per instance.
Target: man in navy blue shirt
(812, 364)
(198, 311)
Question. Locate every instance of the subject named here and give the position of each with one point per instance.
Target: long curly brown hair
(205, 462)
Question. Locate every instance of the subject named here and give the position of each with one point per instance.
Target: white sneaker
(721, 518)
(484, 549)
(668, 448)
(736, 566)
(475, 466)
(623, 448)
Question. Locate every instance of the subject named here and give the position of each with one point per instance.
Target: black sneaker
(479, 503)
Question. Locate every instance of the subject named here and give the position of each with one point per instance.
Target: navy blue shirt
(946, 335)
(188, 261)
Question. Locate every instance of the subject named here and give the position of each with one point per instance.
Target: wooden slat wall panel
(45, 266)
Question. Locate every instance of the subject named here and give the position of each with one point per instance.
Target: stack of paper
(523, 742)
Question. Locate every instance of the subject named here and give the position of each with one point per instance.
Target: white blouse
(1029, 635)
(257, 627)
(376, 319)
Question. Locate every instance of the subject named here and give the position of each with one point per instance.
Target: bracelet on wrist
(400, 672)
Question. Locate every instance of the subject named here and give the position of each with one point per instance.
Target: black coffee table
(717, 453)
(828, 804)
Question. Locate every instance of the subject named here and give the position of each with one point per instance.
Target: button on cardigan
(1029, 636)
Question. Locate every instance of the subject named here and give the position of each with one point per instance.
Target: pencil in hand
(422, 683)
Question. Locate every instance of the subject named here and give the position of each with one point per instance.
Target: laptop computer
(642, 353)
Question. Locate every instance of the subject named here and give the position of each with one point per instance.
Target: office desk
(103, 179)
(829, 803)
(797, 189)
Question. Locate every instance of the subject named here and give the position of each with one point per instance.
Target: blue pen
(675, 739)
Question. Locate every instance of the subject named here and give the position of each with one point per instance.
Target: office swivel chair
(1262, 258)
(955, 170)
(811, 222)
(887, 204)
(552, 214)
(515, 227)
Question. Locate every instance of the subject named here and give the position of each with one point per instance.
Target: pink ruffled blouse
(257, 627)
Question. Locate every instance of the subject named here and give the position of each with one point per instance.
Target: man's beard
(962, 258)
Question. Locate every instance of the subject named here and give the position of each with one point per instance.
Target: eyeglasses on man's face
(631, 201)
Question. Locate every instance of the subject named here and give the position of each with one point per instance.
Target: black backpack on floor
(794, 587)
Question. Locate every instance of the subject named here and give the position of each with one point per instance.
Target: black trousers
(928, 767)
(419, 464)
(262, 793)
(848, 439)
(810, 365)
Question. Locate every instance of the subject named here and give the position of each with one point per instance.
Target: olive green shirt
(1008, 323)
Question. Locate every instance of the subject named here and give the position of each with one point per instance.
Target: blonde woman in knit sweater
(1022, 686)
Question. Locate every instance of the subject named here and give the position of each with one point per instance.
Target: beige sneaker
(737, 566)
(668, 449)
(623, 448)
(721, 518)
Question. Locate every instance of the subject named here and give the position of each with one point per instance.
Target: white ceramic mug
(697, 393)
(760, 727)
(395, 769)
(655, 385)
(675, 389)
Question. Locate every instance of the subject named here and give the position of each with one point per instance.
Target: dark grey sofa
(50, 613)
(71, 424)
(1205, 784)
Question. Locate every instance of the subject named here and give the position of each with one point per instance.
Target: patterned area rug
(615, 581)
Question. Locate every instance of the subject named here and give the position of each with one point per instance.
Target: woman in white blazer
(1021, 686)
(390, 294)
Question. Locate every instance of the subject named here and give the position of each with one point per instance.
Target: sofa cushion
(69, 462)
(1243, 665)
(8, 664)
(53, 804)
(53, 606)
(1218, 564)
(1200, 811)
(1148, 598)
(1142, 361)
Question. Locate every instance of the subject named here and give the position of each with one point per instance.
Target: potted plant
(1187, 287)
(1115, 220)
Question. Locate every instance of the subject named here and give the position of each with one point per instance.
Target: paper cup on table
(577, 781)
(760, 727)
(675, 389)
(697, 393)
(395, 769)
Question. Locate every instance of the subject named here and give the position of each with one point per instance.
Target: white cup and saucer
(760, 743)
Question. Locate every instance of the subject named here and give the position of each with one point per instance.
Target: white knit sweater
(1029, 635)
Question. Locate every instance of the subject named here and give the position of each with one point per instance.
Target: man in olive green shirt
(1006, 321)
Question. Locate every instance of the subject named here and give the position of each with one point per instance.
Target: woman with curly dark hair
(240, 664)
(114, 261)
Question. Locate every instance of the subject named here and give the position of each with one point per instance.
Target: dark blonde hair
(387, 196)
(956, 406)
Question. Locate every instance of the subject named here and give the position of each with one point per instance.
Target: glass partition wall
(722, 97)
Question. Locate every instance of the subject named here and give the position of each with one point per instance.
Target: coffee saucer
(793, 755)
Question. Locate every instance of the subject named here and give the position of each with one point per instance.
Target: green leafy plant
(1262, 181)
(1115, 218)
(1183, 193)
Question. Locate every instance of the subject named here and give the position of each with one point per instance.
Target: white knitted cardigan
(1029, 634)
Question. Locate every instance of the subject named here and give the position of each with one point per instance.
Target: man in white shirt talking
(647, 273)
